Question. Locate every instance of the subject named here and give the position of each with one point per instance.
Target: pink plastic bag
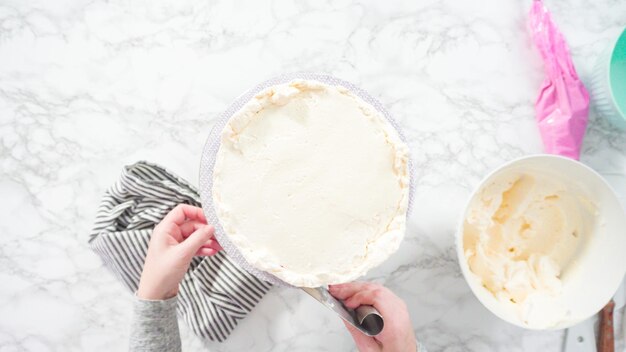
(562, 107)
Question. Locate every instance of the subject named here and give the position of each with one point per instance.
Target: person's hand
(397, 334)
(182, 234)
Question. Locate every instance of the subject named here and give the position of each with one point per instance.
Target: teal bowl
(608, 85)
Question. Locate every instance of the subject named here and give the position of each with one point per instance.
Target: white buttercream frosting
(311, 184)
(521, 231)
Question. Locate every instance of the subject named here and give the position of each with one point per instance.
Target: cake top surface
(311, 184)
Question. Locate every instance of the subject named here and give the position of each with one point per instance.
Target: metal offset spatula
(606, 333)
(581, 337)
(365, 318)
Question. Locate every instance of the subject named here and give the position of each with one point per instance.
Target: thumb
(363, 342)
(196, 240)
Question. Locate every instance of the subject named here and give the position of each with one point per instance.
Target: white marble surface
(88, 86)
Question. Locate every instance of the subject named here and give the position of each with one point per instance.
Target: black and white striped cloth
(214, 294)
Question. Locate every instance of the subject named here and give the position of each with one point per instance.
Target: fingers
(362, 293)
(205, 252)
(367, 297)
(209, 248)
(184, 212)
(343, 291)
(164, 229)
(189, 227)
(212, 243)
(196, 240)
(363, 343)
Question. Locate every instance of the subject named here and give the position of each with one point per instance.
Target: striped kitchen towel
(214, 294)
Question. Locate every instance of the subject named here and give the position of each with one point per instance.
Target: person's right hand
(397, 334)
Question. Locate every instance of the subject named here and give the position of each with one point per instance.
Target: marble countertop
(88, 86)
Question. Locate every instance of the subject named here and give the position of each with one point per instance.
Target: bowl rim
(458, 236)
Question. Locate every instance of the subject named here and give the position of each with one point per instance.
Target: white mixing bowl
(600, 266)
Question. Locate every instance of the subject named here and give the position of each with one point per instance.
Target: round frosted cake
(311, 184)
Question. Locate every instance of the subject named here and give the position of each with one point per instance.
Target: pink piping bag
(562, 106)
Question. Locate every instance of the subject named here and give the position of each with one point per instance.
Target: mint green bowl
(608, 85)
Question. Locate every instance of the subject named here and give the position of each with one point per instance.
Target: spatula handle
(606, 341)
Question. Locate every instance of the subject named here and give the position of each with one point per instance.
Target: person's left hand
(183, 233)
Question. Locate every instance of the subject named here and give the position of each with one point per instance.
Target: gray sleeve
(154, 326)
